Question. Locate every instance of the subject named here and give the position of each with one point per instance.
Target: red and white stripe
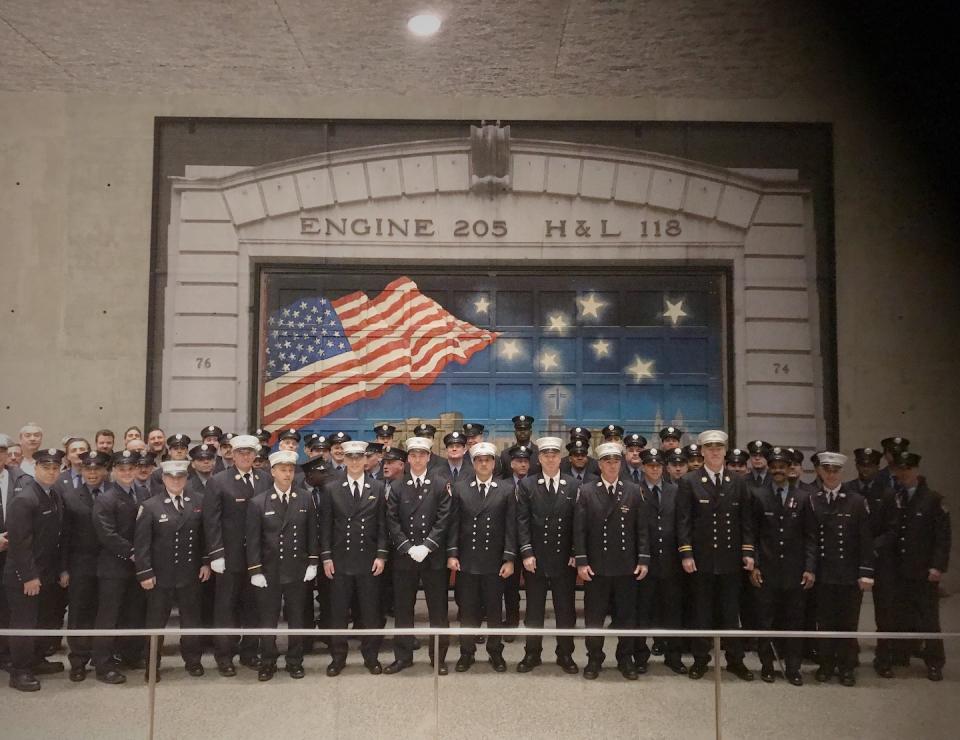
(399, 337)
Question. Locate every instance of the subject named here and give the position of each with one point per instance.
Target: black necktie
(636, 475)
(483, 490)
(177, 503)
(551, 488)
(782, 494)
(656, 493)
(580, 477)
(417, 485)
(456, 472)
(356, 492)
(248, 480)
(610, 491)
(95, 492)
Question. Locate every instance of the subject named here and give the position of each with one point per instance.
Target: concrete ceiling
(668, 48)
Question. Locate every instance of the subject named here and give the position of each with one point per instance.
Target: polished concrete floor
(482, 704)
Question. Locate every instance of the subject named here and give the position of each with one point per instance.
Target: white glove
(259, 580)
(419, 552)
(219, 565)
(311, 573)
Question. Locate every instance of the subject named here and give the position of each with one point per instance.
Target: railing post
(436, 686)
(152, 682)
(716, 683)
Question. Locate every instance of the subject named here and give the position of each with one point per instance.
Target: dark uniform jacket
(662, 521)
(844, 538)
(611, 533)
(115, 520)
(883, 520)
(80, 548)
(224, 506)
(443, 471)
(545, 522)
(34, 522)
(714, 526)
(419, 518)
(16, 481)
(169, 543)
(483, 529)
(281, 544)
(786, 535)
(353, 534)
(923, 534)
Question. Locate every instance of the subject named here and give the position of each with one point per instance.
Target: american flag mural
(342, 351)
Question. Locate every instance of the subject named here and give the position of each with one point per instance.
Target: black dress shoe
(591, 671)
(498, 663)
(112, 676)
(848, 678)
(374, 667)
(464, 663)
(884, 671)
(195, 669)
(640, 666)
(253, 662)
(934, 673)
(24, 681)
(335, 668)
(295, 670)
(567, 664)
(528, 663)
(657, 647)
(767, 675)
(823, 675)
(628, 670)
(795, 678)
(676, 666)
(265, 672)
(481, 639)
(78, 674)
(741, 671)
(697, 670)
(51, 649)
(226, 669)
(397, 666)
(46, 667)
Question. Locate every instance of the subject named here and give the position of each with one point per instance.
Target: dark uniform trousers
(780, 608)
(353, 534)
(30, 612)
(480, 594)
(563, 591)
(611, 536)
(511, 599)
(81, 614)
(846, 554)
(225, 501)
(419, 515)
(715, 527)
(121, 603)
(923, 541)
(545, 517)
(660, 596)
(883, 513)
(189, 600)
(292, 595)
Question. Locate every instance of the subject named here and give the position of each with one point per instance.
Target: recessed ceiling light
(425, 24)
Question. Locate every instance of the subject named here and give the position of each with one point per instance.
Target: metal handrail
(459, 631)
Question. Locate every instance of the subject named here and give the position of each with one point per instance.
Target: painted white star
(286, 312)
(283, 355)
(303, 304)
(286, 368)
(674, 311)
(271, 320)
(590, 306)
(509, 349)
(640, 369)
(341, 345)
(548, 361)
(481, 304)
(303, 358)
(275, 333)
(314, 309)
(296, 314)
(287, 345)
(300, 347)
(558, 322)
(601, 348)
(271, 364)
